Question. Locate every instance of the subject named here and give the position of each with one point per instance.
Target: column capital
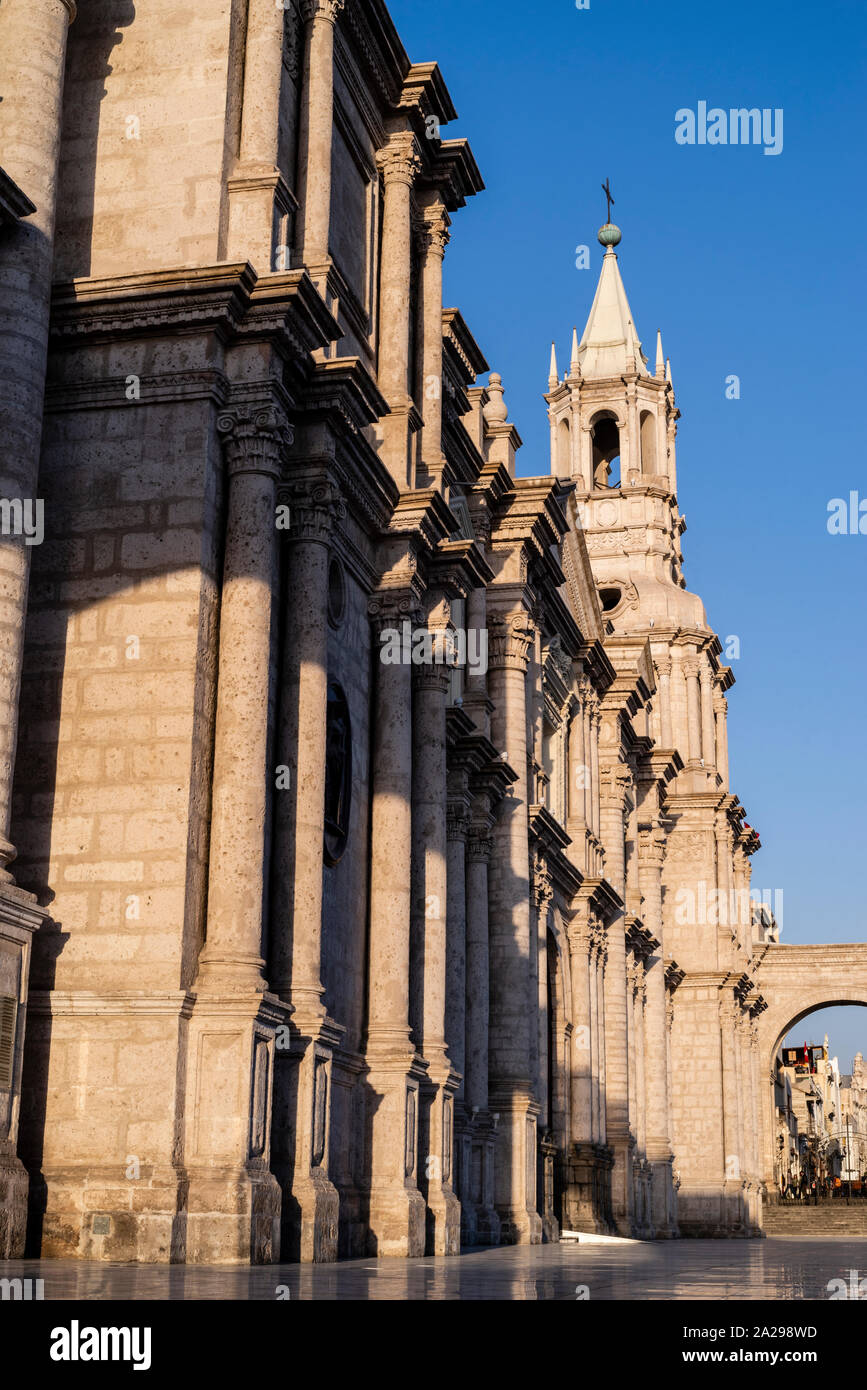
(662, 665)
(398, 160)
(432, 230)
(480, 844)
(509, 641)
(321, 9)
(457, 820)
(691, 666)
(314, 508)
(254, 439)
(720, 704)
(392, 607)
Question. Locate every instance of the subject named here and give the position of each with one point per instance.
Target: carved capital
(662, 665)
(254, 440)
(398, 161)
(691, 667)
(480, 844)
(509, 641)
(327, 10)
(457, 820)
(392, 607)
(720, 705)
(313, 510)
(432, 230)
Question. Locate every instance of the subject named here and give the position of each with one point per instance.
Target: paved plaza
(774, 1269)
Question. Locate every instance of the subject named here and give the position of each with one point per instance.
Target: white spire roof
(610, 345)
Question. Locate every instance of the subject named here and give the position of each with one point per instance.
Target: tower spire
(660, 360)
(575, 361)
(610, 345)
(553, 376)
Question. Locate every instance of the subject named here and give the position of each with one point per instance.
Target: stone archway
(796, 981)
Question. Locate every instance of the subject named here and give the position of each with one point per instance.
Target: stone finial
(496, 411)
(574, 361)
(660, 360)
(553, 378)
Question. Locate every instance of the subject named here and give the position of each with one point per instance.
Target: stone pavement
(773, 1269)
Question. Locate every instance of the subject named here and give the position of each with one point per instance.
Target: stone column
(398, 162)
(693, 709)
(721, 706)
(619, 1138)
(542, 897)
(708, 739)
(397, 1208)
(433, 240)
(428, 966)
(578, 777)
(32, 59)
(234, 1201)
(457, 824)
(315, 137)
(479, 849)
(259, 198)
(651, 852)
(232, 954)
(302, 1104)
(511, 1008)
(663, 672)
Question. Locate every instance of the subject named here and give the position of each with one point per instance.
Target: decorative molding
(255, 440)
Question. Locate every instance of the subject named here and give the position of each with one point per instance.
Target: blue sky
(751, 264)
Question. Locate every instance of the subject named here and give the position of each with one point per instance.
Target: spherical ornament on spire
(609, 235)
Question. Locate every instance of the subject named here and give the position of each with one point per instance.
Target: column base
(233, 1217)
(436, 1148)
(300, 1141)
(14, 1191)
(515, 1157)
(714, 1211)
(83, 1212)
(663, 1199)
(396, 1208)
(622, 1184)
(587, 1189)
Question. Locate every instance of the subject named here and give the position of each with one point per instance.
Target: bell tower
(613, 428)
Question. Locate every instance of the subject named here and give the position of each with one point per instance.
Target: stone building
(371, 819)
(853, 1120)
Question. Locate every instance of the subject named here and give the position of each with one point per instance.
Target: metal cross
(607, 191)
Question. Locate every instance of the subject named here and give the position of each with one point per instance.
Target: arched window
(648, 443)
(564, 448)
(606, 451)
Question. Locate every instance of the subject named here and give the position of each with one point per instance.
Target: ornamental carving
(325, 9)
(399, 160)
(254, 440)
(313, 510)
(480, 845)
(509, 642)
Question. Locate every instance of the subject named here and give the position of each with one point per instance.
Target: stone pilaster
(398, 163)
(433, 240)
(234, 1200)
(396, 1206)
(616, 1094)
(651, 852)
(260, 201)
(479, 850)
(315, 137)
(512, 1011)
(302, 1107)
(428, 968)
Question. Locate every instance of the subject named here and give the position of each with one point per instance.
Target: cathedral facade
(372, 883)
